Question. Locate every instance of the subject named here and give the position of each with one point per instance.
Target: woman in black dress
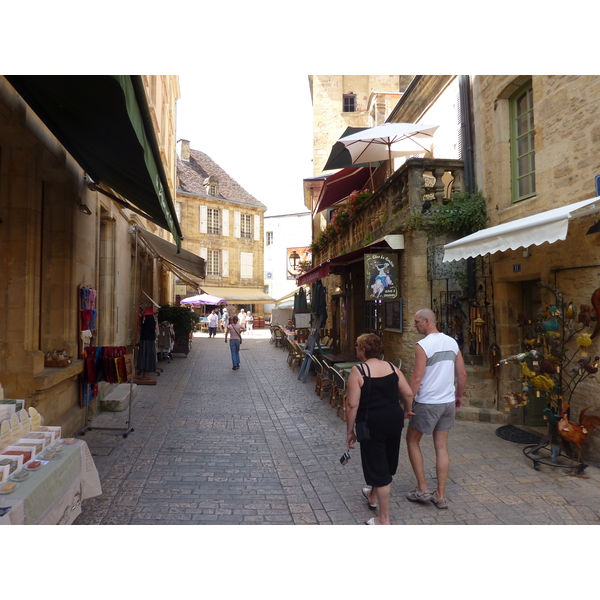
(374, 391)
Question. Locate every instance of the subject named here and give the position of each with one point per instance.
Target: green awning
(104, 123)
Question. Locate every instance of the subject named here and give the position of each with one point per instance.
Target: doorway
(531, 303)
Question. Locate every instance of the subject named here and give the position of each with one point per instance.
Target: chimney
(183, 150)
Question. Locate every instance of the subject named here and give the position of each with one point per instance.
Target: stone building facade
(563, 138)
(224, 224)
(62, 230)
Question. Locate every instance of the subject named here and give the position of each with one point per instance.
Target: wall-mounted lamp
(83, 207)
(595, 228)
(338, 289)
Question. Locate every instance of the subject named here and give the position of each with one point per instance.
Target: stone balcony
(384, 213)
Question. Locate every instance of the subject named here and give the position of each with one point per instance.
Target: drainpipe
(464, 91)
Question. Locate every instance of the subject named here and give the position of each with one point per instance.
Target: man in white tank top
(438, 360)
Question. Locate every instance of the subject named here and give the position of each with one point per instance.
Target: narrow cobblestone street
(257, 446)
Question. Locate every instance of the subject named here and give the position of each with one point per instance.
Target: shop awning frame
(548, 226)
(239, 295)
(167, 252)
(104, 122)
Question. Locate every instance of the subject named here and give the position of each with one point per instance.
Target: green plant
(464, 214)
(183, 318)
(340, 221)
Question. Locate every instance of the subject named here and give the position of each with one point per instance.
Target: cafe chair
(297, 356)
(279, 337)
(341, 393)
(323, 383)
(334, 389)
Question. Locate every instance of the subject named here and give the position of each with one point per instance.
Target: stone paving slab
(256, 446)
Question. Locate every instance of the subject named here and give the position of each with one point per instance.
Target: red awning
(340, 185)
(314, 274)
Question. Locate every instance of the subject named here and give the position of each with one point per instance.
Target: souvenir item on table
(57, 447)
(51, 455)
(28, 452)
(21, 475)
(6, 411)
(16, 458)
(25, 421)
(8, 487)
(12, 462)
(36, 418)
(37, 444)
(54, 430)
(5, 434)
(69, 441)
(34, 465)
(15, 428)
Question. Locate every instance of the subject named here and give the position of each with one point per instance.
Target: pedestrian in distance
(234, 331)
(242, 317)
(374, 391)
(213, 321)
(438, 360)
(249, 322)
(225, 319)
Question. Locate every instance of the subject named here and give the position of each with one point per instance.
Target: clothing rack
(128, 424)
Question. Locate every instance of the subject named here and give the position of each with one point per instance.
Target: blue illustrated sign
(381, 276)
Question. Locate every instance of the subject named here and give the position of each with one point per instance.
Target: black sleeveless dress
(379, 455)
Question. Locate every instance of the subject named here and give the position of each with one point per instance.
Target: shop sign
(381, 276)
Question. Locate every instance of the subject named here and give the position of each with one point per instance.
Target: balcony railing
(384, 212)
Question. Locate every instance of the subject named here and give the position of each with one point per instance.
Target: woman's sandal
(366, 492)
(416, 496)
(370, 521)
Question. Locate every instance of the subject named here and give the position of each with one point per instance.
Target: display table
(52, 495)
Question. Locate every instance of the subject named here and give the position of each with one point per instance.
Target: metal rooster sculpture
(576, 433)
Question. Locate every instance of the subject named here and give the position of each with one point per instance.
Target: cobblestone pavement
(256, 446)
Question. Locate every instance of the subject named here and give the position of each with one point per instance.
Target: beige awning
(548, 226)
(184, 260)
(240, 295)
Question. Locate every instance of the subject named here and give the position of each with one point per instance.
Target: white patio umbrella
(388, 141)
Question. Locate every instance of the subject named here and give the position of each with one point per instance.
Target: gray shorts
(430, 417)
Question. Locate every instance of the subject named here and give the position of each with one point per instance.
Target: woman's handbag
(362, 429)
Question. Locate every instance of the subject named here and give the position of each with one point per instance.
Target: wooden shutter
(224, 263)
(236, 223)
(257, 227)
(246, 265)
(225, 223)
(203, 219)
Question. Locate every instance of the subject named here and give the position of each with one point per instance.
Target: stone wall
(567, 159)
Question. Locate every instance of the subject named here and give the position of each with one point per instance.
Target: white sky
(257, 126)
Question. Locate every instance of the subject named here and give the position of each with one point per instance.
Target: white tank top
(437, 385)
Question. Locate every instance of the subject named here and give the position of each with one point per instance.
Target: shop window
(522, 145)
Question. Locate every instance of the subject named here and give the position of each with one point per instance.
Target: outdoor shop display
(43, 477)
(555, 361)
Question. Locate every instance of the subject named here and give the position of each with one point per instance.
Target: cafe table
(52, 494)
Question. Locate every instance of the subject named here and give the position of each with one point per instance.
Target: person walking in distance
(234, 331)
(249, 322)
(213, 321)
(438, 360)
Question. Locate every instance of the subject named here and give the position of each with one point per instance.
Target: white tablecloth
(52, 495)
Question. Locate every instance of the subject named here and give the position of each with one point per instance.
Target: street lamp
(294, 257)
